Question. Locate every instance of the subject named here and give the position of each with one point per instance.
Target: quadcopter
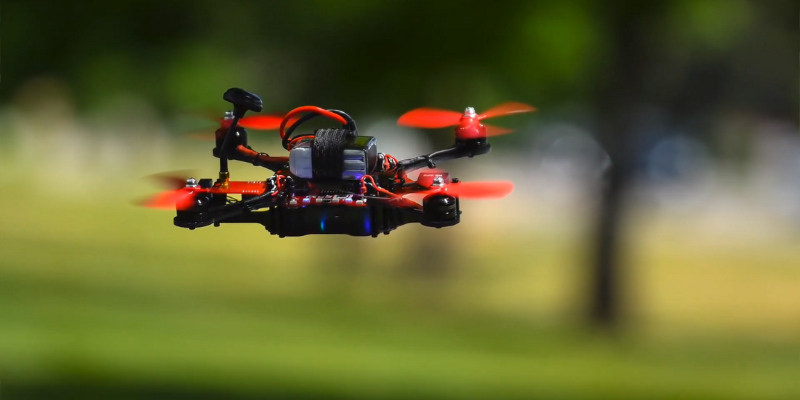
(334, 181)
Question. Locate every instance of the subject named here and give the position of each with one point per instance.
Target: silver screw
(191, 182)
(438, 181)
(469, 112)
(228, 115)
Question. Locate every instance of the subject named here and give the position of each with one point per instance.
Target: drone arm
(248, 155)
(430, 160)
(459, 150)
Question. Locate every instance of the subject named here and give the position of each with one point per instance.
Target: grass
(327, 349)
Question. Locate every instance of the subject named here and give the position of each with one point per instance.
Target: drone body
(334, 181)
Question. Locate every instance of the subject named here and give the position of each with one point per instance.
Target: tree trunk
(619, 98)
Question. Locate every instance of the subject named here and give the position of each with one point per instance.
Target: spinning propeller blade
(176, 197)
(181, 199)
(261, 122)
(429, 118)
(506, 109)
(474, 190)
(480, 190)
(255, 122)
(492, 130)
(173, 179)
(433, 118)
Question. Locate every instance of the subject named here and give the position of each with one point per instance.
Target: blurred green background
(695, 220)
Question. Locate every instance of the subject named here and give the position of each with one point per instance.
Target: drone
(334, 181)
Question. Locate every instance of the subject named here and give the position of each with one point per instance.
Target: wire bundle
(337, 115)
(327, 154)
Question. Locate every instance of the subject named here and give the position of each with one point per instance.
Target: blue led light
(367, 223)
(322, 218)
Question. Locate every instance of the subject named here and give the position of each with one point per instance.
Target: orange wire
(315, 109)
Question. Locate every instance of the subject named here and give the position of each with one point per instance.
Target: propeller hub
(191, 182)
(228, 115)
(469, 112)
(438, 181)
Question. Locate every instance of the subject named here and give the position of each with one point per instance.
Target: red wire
(375, 185)
(278, 181)
(321, 111)
(296, 140)
(387, 166)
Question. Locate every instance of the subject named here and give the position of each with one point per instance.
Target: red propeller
(474, 190)
(255, 122)
(469, 123)
(465, 190)
(181, 197)
(261, 122)
(506, 109)
(172, 180)
(462, 190)
(429, 118)
(177, 195)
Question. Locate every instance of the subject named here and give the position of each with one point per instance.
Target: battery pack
(334, 155)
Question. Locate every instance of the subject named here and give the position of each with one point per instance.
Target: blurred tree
(696, 59)
(679, 58)
(617, 99)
